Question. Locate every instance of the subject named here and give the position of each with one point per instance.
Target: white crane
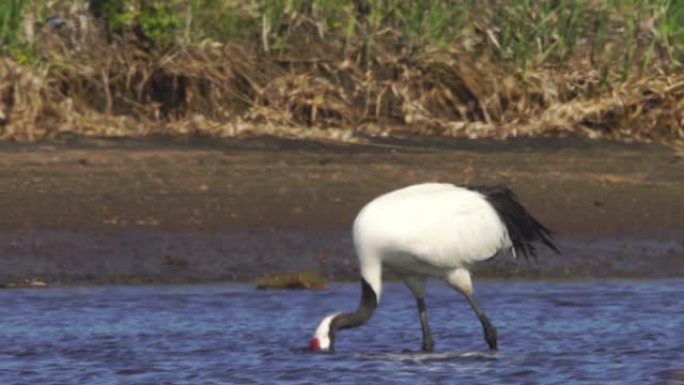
(433, 230)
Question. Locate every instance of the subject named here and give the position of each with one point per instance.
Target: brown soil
(165, 210)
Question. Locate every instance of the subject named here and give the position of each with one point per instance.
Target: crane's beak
(315, 345)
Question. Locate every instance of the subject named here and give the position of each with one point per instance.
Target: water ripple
(551, 333)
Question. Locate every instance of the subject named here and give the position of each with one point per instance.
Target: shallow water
(552, 333)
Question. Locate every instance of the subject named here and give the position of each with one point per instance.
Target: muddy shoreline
(168, 210)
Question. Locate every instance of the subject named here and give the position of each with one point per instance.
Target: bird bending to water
(433, 230)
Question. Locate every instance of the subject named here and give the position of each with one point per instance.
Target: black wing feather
(523, 228)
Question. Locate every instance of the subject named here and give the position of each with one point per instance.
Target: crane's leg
(488, 328)
(417, 286)
(460, 280)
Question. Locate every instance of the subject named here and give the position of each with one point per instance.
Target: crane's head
(322, 340)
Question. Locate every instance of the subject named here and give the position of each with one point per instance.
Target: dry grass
(292, 281)
(372, 85)
(24, 283)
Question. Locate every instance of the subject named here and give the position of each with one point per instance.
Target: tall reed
(11, 14)
(620, 35)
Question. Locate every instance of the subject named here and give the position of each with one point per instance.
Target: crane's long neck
(367, 305)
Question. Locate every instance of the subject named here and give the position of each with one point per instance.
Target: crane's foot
(428, 346)
(491, 336)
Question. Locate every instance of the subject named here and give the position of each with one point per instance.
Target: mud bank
(163, 210)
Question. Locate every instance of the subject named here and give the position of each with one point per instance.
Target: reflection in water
(619, 332)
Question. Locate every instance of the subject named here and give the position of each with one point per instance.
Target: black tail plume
(523, 229)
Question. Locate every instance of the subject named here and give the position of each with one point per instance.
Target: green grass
(11, 16)
(628, 36)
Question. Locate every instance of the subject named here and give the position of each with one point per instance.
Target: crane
(433, 230)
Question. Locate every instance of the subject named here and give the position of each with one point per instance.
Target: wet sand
(165, 210)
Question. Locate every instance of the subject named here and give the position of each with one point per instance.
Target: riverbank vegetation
(342, 70)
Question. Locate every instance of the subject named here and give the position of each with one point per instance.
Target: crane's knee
(460, 280)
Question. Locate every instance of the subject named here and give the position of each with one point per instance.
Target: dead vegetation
(24, 283)
(90, 82)
(292, 281)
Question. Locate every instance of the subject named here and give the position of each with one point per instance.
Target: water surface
(628, 332)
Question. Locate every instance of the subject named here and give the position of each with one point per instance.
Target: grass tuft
(292, 281)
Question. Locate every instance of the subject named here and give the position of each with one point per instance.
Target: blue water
(549, 333)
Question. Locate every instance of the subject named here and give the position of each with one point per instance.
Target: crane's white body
(427, 230)
(433, 230)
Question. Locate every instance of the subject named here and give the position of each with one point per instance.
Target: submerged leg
(489, 329)
(460, 280)
(417, 286)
